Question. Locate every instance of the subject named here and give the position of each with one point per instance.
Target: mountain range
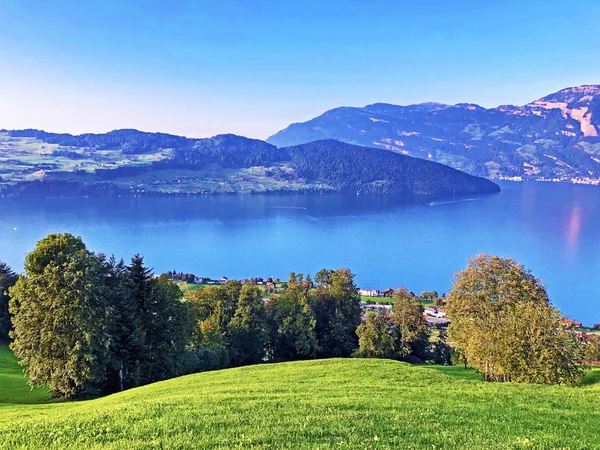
(553, 138)
(131, 162)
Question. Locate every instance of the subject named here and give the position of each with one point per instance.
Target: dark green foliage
(7, 279)
(127, 330)
(350, 168)
(127, 140)
(247, 329)
(160, 325)
(292, 323)
(60, 318)
(204, 358)
(337, 312)
(167, 324)
(230, 151)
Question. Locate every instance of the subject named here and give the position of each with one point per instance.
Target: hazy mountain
(554, 137)
(130, 161)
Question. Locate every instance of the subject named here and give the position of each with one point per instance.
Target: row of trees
(84, 324)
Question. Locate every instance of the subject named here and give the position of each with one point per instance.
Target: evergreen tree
(168, 329)
(61, 318)
(292, 323)
(247, 334)
(7, 279)
(337, 312)
(127, 330)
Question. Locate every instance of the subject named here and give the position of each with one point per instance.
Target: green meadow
(335, 403)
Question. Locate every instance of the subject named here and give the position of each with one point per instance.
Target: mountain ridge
(553, 138)
(126, 162)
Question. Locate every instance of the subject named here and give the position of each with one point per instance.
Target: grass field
(315, 404)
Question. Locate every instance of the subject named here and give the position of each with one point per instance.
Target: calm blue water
(552, 229)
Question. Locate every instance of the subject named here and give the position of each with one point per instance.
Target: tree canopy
(504, 325)
(7, 279)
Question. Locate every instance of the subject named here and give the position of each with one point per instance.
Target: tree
(7, 279)
(337, 312)
(503, 325)
(61, 318)
(168, 328)
(212, 310)
(591, 351)
(292, 323)
(127, 330)
(247, 334)
(410, 325)
(376, 337)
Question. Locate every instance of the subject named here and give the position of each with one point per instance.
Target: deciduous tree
(61, 318)
(376, 337)
(504, 326)
(7, 279)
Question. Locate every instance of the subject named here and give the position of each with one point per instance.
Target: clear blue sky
(252, 67)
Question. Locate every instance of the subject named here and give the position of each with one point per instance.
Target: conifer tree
(247, 334)
(292, 322)
(337, 312)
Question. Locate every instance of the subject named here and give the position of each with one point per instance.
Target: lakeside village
(372, 300)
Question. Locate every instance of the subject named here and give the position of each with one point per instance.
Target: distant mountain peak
(577, 94)
(556, 137)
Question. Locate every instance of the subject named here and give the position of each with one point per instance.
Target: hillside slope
(353, 403)
(556, 137)
(125, 162)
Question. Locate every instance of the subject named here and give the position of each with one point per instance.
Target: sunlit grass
(351, 403)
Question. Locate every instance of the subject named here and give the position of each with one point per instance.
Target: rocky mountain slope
(556, 137)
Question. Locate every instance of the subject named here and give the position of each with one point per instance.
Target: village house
(223, 280)
(368, 292)
(434, 312)
(375, 307)
(571, 323)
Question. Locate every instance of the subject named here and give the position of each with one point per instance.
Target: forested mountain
(556, 137)
(126, 162)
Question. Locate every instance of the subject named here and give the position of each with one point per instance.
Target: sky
(200, 68)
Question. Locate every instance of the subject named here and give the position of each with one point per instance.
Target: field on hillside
(29, 159)
(353, 403)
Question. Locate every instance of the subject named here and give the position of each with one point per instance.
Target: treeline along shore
(84, 324)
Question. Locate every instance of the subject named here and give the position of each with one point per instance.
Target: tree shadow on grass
(592, 377)
(458, 372)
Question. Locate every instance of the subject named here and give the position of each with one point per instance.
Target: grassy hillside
(315, 404)
(130, 162)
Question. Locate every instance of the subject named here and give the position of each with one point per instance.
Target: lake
(553, 229)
